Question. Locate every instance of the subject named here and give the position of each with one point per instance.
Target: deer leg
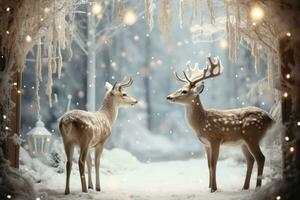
(82, 158)
(215, 147)
(98, 152)
(208, 155)
(260, 159)
(89, 165)
(69, 149)
(250, 162)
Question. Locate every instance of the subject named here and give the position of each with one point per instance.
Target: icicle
(60, 62)
(211, 11)
(181, 13)
(38, 76)
(149, 13)
(62, 29)
(227, 22)
(255, 53)
(271, 74)
(165, 19)
(69, 41)
(54, 50)
(237, 25)
(49, 81)
(120, 9)
(194, 12)
(232, 43)
(231, 38)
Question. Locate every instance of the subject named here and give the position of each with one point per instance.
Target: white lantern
(39, 140)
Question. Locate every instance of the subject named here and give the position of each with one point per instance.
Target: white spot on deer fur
(215, 120)
(204, 129)
(243, 131)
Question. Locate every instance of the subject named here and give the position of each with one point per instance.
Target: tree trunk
(12, 121)
(290, 109)
(91, 62)
(147, 82)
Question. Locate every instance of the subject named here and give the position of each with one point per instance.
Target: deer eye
(124, 95)
(183, 92)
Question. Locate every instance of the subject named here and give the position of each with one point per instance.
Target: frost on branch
(26, 23)
(262, 24)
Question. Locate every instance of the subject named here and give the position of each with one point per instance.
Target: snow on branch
(261, 24)
(25, 23)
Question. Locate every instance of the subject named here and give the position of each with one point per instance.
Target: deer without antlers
(244, 126)
(91, 129)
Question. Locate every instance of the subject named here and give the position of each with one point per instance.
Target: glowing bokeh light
(256, 13)
(130, 18)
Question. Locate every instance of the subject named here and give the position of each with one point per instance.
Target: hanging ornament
(39, 139)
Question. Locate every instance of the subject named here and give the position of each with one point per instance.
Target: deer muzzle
(170, 98)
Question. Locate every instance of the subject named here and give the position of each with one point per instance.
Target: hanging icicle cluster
(165, 19)
(149, 13)
(257, 29)
(48, 24)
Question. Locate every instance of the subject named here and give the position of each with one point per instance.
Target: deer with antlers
(91, 129)
(244, 126)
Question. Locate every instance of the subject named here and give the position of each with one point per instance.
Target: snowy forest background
(154, 130)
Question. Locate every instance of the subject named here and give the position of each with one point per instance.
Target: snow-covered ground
(124, 177)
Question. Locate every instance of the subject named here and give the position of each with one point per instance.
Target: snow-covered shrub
(57, 158)
(12, 184)
(33, 168)
(56, 162)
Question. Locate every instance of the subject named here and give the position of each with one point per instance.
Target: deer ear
(108, 86)
(199, 88)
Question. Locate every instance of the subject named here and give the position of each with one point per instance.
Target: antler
(196, 75)
(180, 79)
(125, 84)
(186, 80)
(211, 70)
(114, 86)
